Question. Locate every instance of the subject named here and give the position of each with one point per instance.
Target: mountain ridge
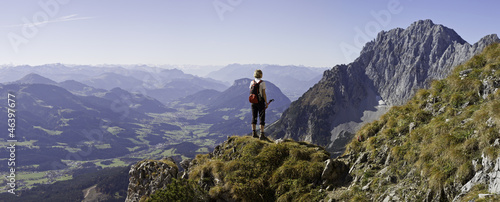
(389, 70)
(442, 145)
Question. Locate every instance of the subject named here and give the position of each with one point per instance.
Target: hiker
(258, 85)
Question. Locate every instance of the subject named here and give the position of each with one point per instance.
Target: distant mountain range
(135, 101)
(387, 73)
(164, 85)
(167, 85)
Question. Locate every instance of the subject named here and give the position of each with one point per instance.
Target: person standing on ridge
(260, 104)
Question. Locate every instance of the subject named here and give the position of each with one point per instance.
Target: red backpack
(254, 92)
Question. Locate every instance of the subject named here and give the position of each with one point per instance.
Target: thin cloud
(67, 18)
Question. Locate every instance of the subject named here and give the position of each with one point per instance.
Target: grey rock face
(402, 60)
(489, 174)
(146, 177)
(388, 72)
(335, 172)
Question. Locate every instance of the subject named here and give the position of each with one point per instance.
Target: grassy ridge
(248, 169)
(432, 140)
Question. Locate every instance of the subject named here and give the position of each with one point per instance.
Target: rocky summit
(242, 169)
(387, 73)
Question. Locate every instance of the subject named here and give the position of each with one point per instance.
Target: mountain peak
(242, 81)
(426, 22)
(34, 78)
(388, 70)
(489, 39)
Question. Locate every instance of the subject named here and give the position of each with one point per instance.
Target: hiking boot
(262, 136)
(255, 134)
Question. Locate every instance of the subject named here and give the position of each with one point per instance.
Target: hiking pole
(269, 102)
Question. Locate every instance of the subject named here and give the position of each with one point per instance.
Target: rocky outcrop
(148, 176)
(243, 169)
(387, 73)
(335, 173)
(487, 172)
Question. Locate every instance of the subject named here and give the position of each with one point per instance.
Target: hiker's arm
(264, 95)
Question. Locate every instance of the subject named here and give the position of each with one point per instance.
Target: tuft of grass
(254, 170)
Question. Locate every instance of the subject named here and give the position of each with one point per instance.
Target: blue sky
(218, 32)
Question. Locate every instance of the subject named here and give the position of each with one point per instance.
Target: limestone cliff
(387, 73)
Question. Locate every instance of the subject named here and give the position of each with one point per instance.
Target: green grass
(243, 113)
(258, 169)
(23, 143)
(136, 141)
(133, 148)
(441, 146)
(116, 163)
(27, 180)
(64, 122)
(169, 152)
(73, 150)
(205, 142)
(202, 150)
(103, 146)
(30, 175)
(49, 132)
(114, 130)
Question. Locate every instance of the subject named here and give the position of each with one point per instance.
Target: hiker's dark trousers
(259, 109)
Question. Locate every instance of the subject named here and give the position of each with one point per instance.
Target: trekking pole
(270, 102)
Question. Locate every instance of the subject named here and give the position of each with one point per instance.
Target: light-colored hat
(257, 74)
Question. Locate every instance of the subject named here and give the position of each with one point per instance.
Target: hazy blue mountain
(162, 84)
(230, 111)
(174, 90)
(137, 101)
(203, 97)
(292, 80)
(57, 72)
(134, 101)
(34, 78)
(78, 88)
(165, 86)
(111, 80)
(73, 86)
